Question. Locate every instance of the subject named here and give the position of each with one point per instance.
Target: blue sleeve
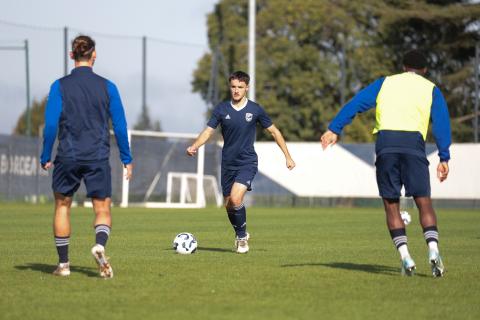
(52, 116)
(361, 102)
(215, 119)
(119, 123)
(441, 125)
(264, 119)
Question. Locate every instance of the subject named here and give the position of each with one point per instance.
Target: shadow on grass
(370, 268)
(223, 249)
(215, 249)
(48, 268)
(205, 249)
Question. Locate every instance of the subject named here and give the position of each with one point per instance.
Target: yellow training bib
(404, 103)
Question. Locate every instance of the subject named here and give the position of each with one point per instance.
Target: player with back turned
(79, 107)
(238, 118)
(405, 103)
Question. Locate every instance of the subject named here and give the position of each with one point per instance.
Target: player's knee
(424, 203)
(102, 211)
(63, 202)
(235, 201)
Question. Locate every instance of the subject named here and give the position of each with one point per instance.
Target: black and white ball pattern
(185, 243)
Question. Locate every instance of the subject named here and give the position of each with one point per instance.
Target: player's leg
(428, 221)
(236, 210)
(238, 217)
(235, 183)
(417, 184)
(103, 220)
(227, 181)
(61, 231)
(243, 182)
(389, 184)
(99, 187)
(398, 234)
(102, 224)
(65, 182)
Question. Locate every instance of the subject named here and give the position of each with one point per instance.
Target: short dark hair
(82, 48)
(414, 59)
(240, 76)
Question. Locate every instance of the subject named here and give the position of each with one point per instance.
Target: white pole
(125, 182)
(183, 188)
(476, 64)
(169, 187)
(251, 48)
(200, 170)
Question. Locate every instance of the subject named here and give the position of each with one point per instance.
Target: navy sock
(238, 219)
(231, 216)
(430, 234)
(62, 248)
(102, 231)
(399, 237)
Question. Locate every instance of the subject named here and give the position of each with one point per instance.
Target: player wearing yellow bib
(405, 103)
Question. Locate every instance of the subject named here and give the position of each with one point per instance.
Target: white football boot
(98, 252)
(242, 244)
(438, 269)
(63, 270)
(408, 267)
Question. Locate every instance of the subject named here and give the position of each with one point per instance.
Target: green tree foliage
(312, 55)
(37, 112)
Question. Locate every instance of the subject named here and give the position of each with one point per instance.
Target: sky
(177, 39)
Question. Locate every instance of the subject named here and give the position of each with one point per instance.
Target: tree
(311, 55)
(37, 112)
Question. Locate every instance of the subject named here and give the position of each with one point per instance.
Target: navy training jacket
(79, 107)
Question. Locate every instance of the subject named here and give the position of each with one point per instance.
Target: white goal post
(167, 174)
(185, 192)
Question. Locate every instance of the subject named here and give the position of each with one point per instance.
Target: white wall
(464, 178)
(336, 172)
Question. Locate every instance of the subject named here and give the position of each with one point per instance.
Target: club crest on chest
(248, 116)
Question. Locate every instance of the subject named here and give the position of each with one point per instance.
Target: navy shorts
(96, 175)
(242, 175)
(395, 170)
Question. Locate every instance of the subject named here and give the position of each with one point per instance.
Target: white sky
(169, 67)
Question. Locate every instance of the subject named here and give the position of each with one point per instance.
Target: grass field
(331, 263)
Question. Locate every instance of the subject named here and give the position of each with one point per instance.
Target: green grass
(331, 263)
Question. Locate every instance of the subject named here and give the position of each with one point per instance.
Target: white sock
(403, 250)
(433, 246)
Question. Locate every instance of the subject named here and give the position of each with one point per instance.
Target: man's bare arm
(200, 141)
(278, 137)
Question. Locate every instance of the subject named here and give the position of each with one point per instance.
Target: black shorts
(67, 176)
(395, 170)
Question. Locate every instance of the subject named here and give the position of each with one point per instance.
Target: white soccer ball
(406, 217)
(185, 243)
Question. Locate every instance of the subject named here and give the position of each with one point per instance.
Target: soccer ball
(185, 243)
(405, 217)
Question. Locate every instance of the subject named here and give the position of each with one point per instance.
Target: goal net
(164, 176)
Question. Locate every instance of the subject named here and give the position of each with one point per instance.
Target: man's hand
(290, 163)
(328, 138)
(128, 174)
(47, 165)
(192, 150)
(442, 171)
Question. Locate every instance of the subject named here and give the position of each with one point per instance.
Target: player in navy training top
(80, 106)
(405, 103)
(238, 119)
